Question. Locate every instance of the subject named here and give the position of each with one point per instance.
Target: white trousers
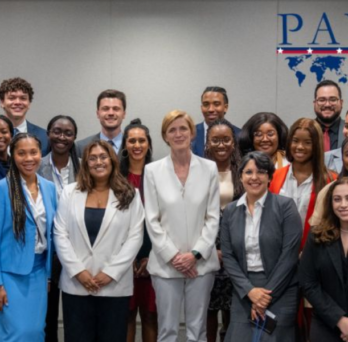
(170, 293)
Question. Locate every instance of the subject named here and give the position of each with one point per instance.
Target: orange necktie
(326, 140)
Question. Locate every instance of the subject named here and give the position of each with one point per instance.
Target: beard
(328, 120)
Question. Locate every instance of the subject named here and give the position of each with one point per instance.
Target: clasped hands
(93, 284)
(186, 264)
(260, 298)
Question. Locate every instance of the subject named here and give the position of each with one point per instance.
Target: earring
(124, 153)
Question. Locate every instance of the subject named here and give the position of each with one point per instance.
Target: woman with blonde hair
(182, 218)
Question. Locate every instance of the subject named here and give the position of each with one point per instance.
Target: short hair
(262, 161)
(327, 83)
(9, 124)
(320, 172)
(246, 136)
(328, 230)
(15, 84)
(215, 89)
(174, 115)
(114, 94)
(123, 191)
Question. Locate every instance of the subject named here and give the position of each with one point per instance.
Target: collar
(291, 175)
(23, 181)
(52, 164)
(334, 127)
(116, 140)
(260, 201)
(23, 127)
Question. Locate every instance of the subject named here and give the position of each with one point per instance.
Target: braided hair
(235, 156)
(17, 197)
(72, 152)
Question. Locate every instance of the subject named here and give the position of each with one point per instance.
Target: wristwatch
(196, 254)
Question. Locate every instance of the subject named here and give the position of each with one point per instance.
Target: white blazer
(116, 246)
(182, 218)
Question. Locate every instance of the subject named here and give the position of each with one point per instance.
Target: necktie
(15, 131)
(326, 139)
(111, 143)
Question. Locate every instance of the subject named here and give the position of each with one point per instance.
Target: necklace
(101, 199)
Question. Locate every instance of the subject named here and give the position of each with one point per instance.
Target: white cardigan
(182, 218)
(116, 246)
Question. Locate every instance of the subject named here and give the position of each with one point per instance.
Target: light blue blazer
(15, 256)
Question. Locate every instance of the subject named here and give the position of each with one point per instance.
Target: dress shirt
(252, 232)
(117, 141)
(205, 131)
(23, 127)
(226, 188)
(60, 179)
(301, 194)
(39, 215)
(333, 133)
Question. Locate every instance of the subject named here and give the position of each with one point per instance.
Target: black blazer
(321, 278)
(280, 238)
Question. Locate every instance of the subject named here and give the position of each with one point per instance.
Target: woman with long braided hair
(27, 208)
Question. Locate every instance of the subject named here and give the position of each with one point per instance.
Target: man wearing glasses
(328, 106)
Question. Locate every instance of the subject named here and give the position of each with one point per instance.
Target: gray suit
(333, 160)
(80, 145)
(280, 238)
(46, 170)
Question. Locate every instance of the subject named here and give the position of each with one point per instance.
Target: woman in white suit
(182, 217)
(98, 232)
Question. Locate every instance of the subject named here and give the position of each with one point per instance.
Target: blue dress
(23, 273)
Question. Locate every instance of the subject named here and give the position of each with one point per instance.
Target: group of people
(252, 222)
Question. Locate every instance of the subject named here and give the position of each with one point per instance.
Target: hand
(219, 253)
(260, 297)
(258, 312)
(184, 262)
(3, 298)
(87, 281)
(192, 273)
(142, 271)
(102, 279)
(343, 326)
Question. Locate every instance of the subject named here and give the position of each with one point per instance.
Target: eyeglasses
(258, 135)
(58, 133)
(217, 141)
(92, 160)
(322, 100)
(259, 172)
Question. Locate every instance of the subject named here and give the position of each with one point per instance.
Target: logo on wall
(313, 59)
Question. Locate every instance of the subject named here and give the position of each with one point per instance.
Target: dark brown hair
(124, 192)
(15, 84)
(114, 94)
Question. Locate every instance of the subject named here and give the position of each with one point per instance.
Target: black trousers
(51, 329)
(95, 319)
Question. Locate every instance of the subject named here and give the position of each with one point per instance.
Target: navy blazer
(41, 134)
(15, 256)
(198, 145)
(321, 278)
(280, 238)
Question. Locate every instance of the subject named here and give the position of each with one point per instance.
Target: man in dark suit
(111, 110)
(16, 95)
(327, 107)
(214, 106)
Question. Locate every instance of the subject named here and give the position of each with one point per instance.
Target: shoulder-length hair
(320, 172)
(246, 136)
(328, 229)
(123, 191)
(235, 156)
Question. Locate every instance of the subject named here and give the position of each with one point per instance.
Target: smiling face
(178, 135)
(16, 104)
(5, 138)
(213, 106)
(99, 164)
(266, 139)
(62, 136)
(301, 147)
(328, 111)
(111, 114)
(255, 181)
(137, 145)
(27, 157)
(220, 143)
(340, 203)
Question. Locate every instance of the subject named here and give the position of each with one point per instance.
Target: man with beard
(327, 106)
(111, 110)
(214, 105)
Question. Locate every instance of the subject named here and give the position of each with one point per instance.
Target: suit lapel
(110, 212)
(81, 198)
(239, 234)
(334, 251)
